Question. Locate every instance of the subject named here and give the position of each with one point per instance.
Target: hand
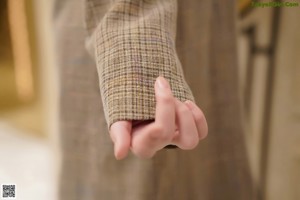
(177, 123)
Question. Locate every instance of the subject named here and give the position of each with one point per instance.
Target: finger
(146, 140)
(143, 144)
(120, 134)
(165, 107)
(199, 118)
(188, 136)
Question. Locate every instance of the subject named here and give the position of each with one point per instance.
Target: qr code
(8, 191)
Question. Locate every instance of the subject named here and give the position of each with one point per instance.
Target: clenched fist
(176, 123)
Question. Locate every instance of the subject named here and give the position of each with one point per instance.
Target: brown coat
(132, 43)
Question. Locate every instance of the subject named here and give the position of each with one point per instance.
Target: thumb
(120, 133)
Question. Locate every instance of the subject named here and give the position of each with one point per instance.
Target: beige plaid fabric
(134, 43)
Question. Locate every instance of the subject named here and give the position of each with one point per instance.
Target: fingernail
(162, 83)
(189, 104)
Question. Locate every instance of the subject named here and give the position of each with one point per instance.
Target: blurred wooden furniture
(16, 66)
(21, 102)
(269, 48)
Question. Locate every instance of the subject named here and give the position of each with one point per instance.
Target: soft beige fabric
(205, 43)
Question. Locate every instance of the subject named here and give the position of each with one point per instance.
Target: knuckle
(199, 116)
(191, 144)
(166, 137)
(183, 109)
(163, 134)
(159, 137)
(159, 128)
(175, 134)
(154, 137)
(166, 99)
(156, 133)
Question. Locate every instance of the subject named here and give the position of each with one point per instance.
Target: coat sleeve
(133, 42)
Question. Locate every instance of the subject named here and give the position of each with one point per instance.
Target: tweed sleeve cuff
(134, 44)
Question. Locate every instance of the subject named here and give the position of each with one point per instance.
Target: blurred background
(269, 70)
(28, 99)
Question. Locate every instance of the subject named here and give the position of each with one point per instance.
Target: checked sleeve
(133, 42)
